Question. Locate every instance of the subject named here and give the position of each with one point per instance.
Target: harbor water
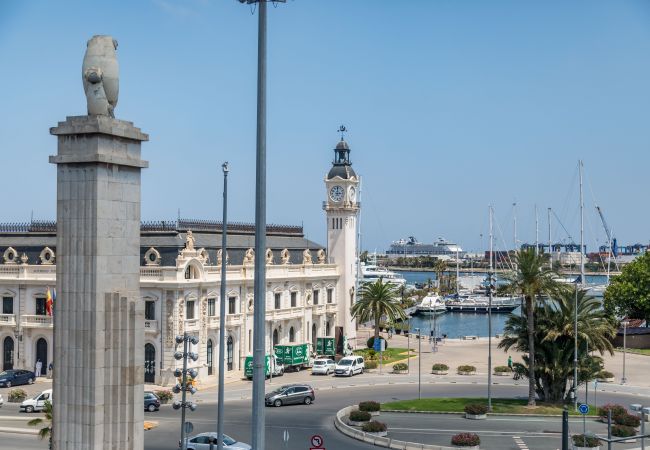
(455, 324)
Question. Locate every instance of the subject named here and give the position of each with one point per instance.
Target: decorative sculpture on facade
(306, 257)
(321, 256)
(219, 255)
(152, 257)
(284, 256)
(269, 256)
(189, 241)
(9, 256)
(249, 257)
(100, 75)
(47, 256)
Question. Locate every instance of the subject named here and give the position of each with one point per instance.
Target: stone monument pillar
(98, 315)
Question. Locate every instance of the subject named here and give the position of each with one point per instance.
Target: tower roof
(341, 166)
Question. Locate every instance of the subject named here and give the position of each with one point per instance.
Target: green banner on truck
(248, 366)
(325, 346)
(292, 355)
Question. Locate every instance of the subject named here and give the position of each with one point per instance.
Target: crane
(608, 232)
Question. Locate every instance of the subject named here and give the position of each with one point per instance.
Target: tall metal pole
(490, 275)
(514, 225)
(258, 424)
(575, 352)
(550, 251)
(419, 364)
(408, 345)
(536, 231)
(625, 323)
(184, 392)
(582, 230)
(222, 309)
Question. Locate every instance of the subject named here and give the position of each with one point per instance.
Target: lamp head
(192, 406)
(179, 339)
(193, 373)
(178, 373)
(176, 389)
(192, 390)
(176, 405)
(194, 340)
(178, 355)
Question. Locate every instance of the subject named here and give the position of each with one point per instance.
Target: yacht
(432, 304)
(481, 304)
(371, 272)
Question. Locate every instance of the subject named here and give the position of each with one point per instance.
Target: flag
(49, 301)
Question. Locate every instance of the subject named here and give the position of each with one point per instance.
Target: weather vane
(342, 130)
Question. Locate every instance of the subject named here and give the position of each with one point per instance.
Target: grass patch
(389, 356)
(637, 351)
(499, 405)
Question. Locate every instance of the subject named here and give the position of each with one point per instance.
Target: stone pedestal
(98, 317)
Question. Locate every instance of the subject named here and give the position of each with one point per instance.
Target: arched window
(209, 357)
(41, 354)
(327, 328)
(292, 335)
(8, 354)
(229, 349)
(276, 340)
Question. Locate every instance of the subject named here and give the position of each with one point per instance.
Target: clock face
(336, 193)
(352, 193)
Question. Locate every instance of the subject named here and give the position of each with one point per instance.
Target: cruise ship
(411, 247)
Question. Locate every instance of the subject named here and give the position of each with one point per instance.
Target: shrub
(371, 364)
(369, 406)
(502, 369)
(439, 366)
(17, 395)
(582, 440)
(622, 431)
(617, 410)
(359, 416)
(164, 395)
(400, 366)
(476, 409)
(466, 368)
(627, 420)
(466, 440)
(605, 374)
(374, 427)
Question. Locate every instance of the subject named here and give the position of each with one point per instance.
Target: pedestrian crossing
(520, 443)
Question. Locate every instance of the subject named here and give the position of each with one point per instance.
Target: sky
(450, 106)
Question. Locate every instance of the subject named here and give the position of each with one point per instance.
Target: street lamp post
(408, 346)
(186, 354)
(222, 308)
(625, 323)
(259, 315)
(417, 330)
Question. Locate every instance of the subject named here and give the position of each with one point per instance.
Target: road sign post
(317, 442)
(584, 410)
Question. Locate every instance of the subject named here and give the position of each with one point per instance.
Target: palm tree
(46, 431)
(439, 268)
(376, 300)
(531, 279)
(554, 342)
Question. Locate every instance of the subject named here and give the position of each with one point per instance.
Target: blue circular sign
(584, 409)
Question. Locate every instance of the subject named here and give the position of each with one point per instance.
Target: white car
(323, 366)
(37, 403)
(349, 366)
(202, 442)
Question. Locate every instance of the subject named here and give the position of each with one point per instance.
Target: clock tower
(342, 210)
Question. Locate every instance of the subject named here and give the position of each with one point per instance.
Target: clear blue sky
(450, 105)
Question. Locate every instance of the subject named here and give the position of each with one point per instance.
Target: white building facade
(308, 294)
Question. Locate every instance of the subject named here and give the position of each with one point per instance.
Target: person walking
(510, 362)
(38, 367)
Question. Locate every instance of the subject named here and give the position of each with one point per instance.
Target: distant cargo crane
(610, 251)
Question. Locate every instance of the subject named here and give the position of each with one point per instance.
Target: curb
(18, 430)
(489, 414)
(376, 440)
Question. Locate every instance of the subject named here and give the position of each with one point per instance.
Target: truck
(325, 346)
(294, 356)
(271, 363)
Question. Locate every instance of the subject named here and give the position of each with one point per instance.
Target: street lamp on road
(417, 330)
(625, 323)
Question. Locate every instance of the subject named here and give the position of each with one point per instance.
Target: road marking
(520, 443)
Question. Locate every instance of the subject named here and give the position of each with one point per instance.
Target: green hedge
(476, 409)
(439, 366)
(466, 368)
(581, 440)
(465, 440)
(360, 416)
(374, 427)
(17, 395)
(400, 366)
(369, 406)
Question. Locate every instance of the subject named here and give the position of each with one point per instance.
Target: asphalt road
(303, 421)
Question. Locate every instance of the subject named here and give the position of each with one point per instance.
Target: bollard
(565, 429)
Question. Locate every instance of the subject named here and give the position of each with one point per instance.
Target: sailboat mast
(550, 251)
(536, 231)
(490, 281)
(457, 271)
(582, 229)
(514, 225)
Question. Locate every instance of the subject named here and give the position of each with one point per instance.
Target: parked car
(10, 378)
(37, 403)
(151, 402)
(349, 366)
(323, 366)
(291, 394)
(202, 442)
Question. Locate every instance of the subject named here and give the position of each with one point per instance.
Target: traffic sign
(317, 441)
(377, 345)
(583, 408)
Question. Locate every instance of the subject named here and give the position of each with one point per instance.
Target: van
(37, 403)
(349, 366)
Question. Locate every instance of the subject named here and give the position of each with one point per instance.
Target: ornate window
(232, 305)
(330, 295)
(212, 310)
(294, 299)
(47, 256)
(327, 329)
(40, 306)
(152, 257)
(150, 310)
(316, 292)
(292, 335)
(189, 310)
(7, 305)
(229, 352)
(209, 356)
(278, 300)
(10, 256)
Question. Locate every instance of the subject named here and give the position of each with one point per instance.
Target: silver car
(323, 366)
(202, 442)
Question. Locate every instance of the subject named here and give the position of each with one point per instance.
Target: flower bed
(358, 418)
(466, 440)
(582, 441)
(440, 369)
(164, 395)
(376, 428)
(371, 364)
(623, 431)
(627, 420)
(476, 411)
(502, 371)
(466, 370)
(400, 368)
(605, 376)
(16, 396)
(371, 407)
(617, 410)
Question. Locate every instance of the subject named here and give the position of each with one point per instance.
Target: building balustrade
(318, 309)
(150, 325)
(192, 324)
(7, 320)
(332, 307)
(233, 319)
(34, 321)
